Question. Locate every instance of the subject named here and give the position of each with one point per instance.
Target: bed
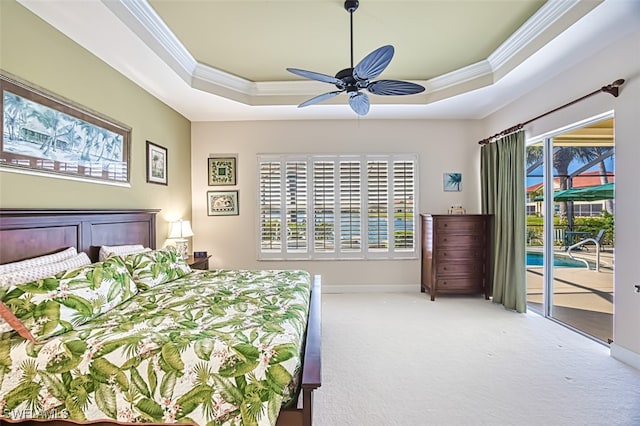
(175, 345)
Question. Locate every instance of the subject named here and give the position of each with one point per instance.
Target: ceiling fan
(353, 79)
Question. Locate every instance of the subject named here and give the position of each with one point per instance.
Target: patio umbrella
(587, 193)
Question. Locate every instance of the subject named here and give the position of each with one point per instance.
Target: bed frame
(26, 233)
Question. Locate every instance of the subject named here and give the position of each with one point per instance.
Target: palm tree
(70, 133)
(91, 139)
(562, 158)
(602, 168)
(15, 108)
(52, 121)
(534, 154)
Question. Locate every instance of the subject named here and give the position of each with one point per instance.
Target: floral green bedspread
(211, 348)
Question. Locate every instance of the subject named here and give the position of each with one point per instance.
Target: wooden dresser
(456, 254)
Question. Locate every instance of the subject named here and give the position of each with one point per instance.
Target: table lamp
(179, 231)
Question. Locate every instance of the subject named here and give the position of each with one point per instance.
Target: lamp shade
(180, 229)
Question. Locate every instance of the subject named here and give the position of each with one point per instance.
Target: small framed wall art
(157, 164)
(452, 182)
(222, 203)
(222, 170)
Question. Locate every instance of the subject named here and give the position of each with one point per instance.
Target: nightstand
(199, 262)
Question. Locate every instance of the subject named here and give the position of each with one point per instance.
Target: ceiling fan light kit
(351, 80)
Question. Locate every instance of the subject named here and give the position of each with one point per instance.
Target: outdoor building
(535, 201)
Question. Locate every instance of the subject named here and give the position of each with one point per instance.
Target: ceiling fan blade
(359, 102)
(394, 87)
(320, 98)
(373, 64)
(316, 76)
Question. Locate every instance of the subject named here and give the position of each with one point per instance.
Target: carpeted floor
(400, 359)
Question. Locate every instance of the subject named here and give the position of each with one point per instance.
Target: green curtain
(503, 195)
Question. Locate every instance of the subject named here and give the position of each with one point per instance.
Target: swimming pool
(535, 259)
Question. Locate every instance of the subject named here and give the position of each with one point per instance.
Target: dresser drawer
(460, 268)
(462, 241)
(460, 225)
(445, 254)
(456, 254)
(458, 284)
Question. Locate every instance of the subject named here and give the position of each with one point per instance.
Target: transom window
(337, 206)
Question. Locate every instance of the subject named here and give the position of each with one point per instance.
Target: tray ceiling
(226, 59)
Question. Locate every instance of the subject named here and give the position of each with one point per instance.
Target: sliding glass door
(570, 219)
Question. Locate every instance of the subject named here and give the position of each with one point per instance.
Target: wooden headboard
(26, 233)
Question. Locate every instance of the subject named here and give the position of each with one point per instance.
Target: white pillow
(123, 250)
(38, 261)
(43, 271)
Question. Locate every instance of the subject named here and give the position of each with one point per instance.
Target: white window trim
(365, 253)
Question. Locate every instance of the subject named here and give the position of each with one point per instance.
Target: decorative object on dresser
(456, 254)
(179, 231)
(457, 210)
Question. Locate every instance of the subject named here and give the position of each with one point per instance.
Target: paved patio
(582, 298)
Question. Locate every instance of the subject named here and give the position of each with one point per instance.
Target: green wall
(35, 52)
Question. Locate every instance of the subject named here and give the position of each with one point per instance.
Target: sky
(536, 175)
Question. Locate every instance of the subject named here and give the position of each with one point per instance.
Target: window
(337, 206)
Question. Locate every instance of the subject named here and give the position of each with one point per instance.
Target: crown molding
(205, 74)
(143, 21)
(462, 75)
(141, 18)
(549, 13)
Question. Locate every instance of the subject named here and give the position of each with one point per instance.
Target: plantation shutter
(350, 207)
(377, 205)
(403, 205)
(324, 207)
(337, 206)
(296, 206)
(270, 210)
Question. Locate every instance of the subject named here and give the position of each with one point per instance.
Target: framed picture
(45, 134)
(222, 170)
(157, 170)
(222, 203)
(452, 182)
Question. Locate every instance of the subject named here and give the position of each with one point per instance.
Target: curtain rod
(612, 89)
